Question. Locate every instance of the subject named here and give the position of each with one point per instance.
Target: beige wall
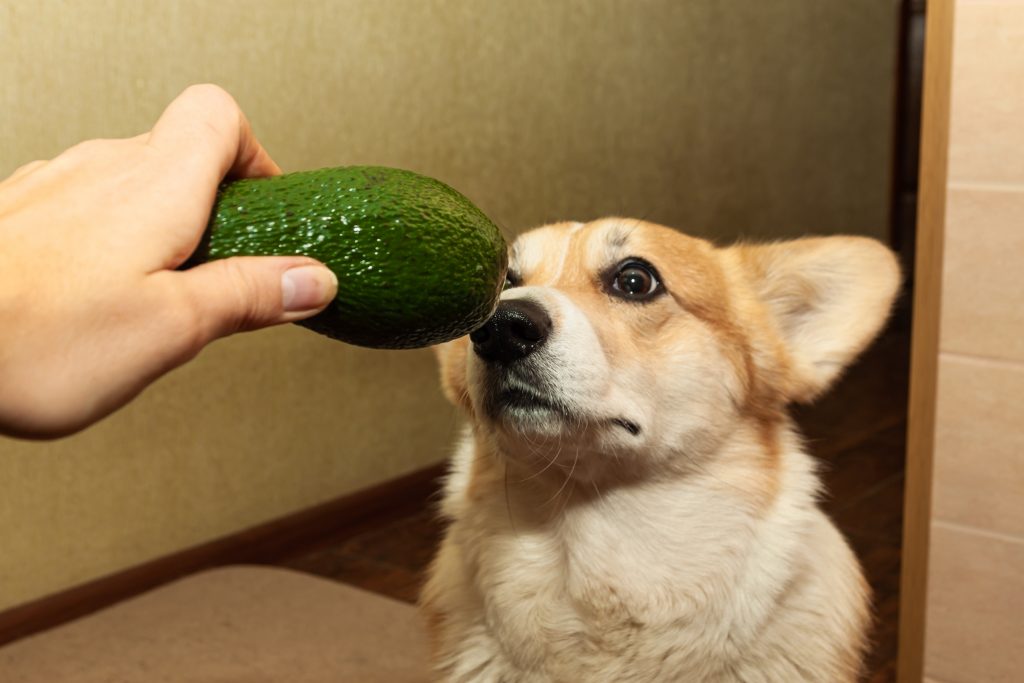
(757, 118)
(976, 570)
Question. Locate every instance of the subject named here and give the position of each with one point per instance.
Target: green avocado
(417, 263)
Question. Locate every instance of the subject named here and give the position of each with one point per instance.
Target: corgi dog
(630, 500)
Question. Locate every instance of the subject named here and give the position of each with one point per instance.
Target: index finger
(205, 125)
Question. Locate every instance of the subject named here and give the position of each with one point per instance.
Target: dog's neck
(543, 480)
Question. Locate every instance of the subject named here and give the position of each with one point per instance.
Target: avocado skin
(417, 263)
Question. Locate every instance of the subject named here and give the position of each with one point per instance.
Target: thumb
(250, 292)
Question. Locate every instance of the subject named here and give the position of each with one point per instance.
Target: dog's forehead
(542, 249)
(545, 252)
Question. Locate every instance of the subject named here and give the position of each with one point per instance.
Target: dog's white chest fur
(662, 582)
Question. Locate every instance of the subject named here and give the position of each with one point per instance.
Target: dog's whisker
(550, 462)
(508, 505)
(597, 491)
(572, 487)
(567, 479)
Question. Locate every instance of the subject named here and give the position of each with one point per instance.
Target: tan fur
(692, 550)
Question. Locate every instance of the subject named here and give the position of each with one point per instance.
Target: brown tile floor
(857, 431)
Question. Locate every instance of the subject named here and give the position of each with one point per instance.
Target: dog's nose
(518, 328)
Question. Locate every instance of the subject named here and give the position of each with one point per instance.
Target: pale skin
(92, 309)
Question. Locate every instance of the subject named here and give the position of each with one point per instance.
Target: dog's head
(636, 342)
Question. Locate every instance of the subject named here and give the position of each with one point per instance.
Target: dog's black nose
(518, 328)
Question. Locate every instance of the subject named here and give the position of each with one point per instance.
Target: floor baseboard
(262, 544)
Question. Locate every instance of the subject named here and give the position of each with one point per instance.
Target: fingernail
(308, 287)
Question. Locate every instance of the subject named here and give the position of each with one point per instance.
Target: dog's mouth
(511, 398)
(517, 390)
(519, 404)
(518, 398)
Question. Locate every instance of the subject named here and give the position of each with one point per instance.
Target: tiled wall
(975, 623)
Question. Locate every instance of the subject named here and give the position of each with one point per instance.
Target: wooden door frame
(931, 214)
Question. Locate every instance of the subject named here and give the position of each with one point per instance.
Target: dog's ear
(828, 296)
(451, 360)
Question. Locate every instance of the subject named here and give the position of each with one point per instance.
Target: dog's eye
(511, 280)
(635, 280)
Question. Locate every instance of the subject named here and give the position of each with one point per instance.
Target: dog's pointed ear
(828, 297)
(451, 360)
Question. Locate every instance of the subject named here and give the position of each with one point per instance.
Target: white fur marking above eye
(565, 253)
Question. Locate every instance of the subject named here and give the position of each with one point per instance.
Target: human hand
(91, 307)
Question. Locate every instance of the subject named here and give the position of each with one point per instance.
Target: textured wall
(754, 118)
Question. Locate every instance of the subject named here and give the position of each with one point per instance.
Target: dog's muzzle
(518, 328)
